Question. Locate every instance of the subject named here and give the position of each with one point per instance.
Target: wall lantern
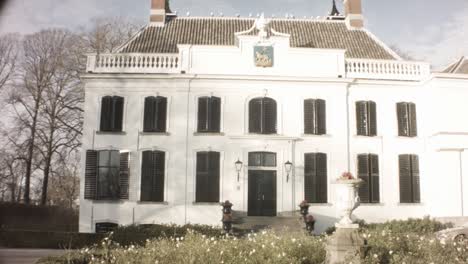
(238, 164)
(287, 167)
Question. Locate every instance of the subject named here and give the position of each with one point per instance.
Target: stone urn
(346, 241)
(347, 200)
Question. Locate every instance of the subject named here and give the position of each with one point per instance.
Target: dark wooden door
(262, 193)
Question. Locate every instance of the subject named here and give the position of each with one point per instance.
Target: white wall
(440, 170)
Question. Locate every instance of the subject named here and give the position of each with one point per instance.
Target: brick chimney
(353, 13)
(158, 12)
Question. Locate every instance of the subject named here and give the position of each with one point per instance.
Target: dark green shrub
(124, 235)
(34, 217)
(421, 226)
(45, 239)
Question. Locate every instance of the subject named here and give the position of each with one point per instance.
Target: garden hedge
(128, 235)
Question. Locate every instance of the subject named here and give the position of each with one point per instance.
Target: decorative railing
(133, 63)
(387, 70)
(171, 63)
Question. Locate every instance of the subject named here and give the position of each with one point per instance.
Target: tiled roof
(460, 66)
(221, 31)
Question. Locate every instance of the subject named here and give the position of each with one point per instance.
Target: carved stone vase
(346, 242)
(347, 200)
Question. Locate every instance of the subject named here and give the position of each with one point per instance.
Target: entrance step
(277, 223)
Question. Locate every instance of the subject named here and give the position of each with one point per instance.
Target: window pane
(103, 158)
(255, 159)
(269, 159)
(103, 183)
(113, 178)
(114, 158)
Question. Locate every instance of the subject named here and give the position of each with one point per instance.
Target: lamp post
(238, 165)
(287, 167)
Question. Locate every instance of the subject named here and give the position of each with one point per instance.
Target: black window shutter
(215, 114)
(124, 175)
(321, 177)
(415, 179)
(90, 189)
(309, 117)
(158, 176)
(203, 108)
(405, 178)
(413, 128)
(146, 176)
(402, 115)
(148, 119)
(117, 118)
(321, 117)
(361, 118)
(269, 116)
(255, 116)
(363, 173)
(202, 177)
(372, 118)
(213, 172)
(106, 113)
(161, 114)
(310, 177)
(374, 178)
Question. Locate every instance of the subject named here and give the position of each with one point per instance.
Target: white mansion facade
(265, 113)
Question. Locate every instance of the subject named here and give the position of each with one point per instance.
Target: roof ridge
(319, 20)
(459, 64)
(382, 44)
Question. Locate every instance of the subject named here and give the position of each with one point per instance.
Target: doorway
(262, 193)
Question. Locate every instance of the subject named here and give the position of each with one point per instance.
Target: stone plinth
(343, 245)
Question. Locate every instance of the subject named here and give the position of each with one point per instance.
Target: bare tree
(38, 66)
(8, 55)
(46, 102)
(109, 33)
(65, 183)
(60, 124)
(403, 54)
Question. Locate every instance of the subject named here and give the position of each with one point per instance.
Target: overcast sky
(431, 30)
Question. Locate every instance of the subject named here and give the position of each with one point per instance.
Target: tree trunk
(45, 182)
(31, 149)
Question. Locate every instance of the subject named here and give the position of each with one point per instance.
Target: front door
(262, 193)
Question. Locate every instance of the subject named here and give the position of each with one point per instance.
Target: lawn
(411, 241)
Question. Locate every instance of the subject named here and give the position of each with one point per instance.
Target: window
(366, 120)
(315, 177)
(315, 117)
(209, 114)
(106, 175)
(155, 114)
(262, 159)
(262, 116)
(105, 227)
(152, 176)
(207, 182)
(409, 179)
(368, 171)
(406, 113)
(111, 113)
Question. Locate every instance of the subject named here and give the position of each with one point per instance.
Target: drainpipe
(187, 145)
(348, 128)
(293, 172)
(461, 183)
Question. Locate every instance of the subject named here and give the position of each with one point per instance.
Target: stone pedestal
(343, 245)
(345, 242)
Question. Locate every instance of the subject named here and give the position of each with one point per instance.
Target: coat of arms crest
(263, 56)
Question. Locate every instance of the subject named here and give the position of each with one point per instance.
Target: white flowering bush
(263, 247)
(411, 242)
(385, 246)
